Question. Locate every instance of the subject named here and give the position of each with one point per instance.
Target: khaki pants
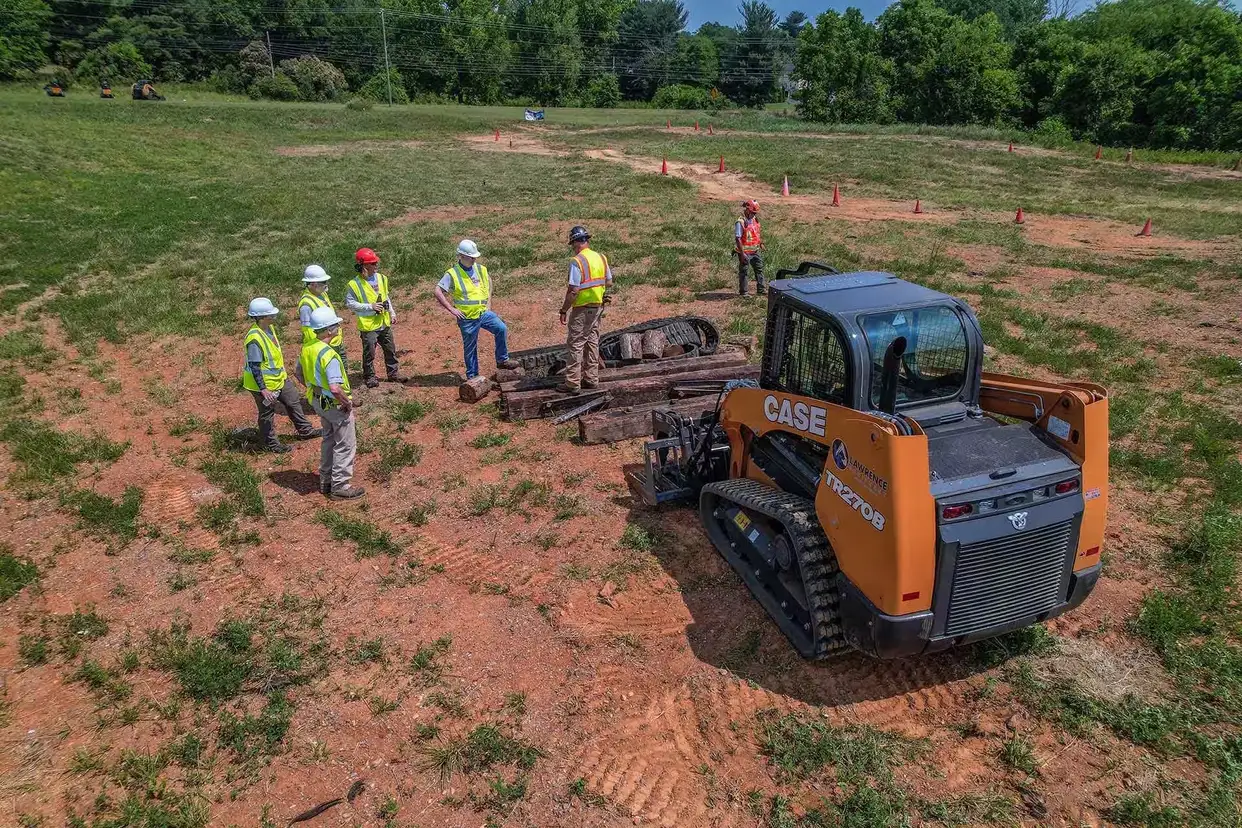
(340, 447)
(583, 359)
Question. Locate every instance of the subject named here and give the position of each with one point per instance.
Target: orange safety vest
(750, 236)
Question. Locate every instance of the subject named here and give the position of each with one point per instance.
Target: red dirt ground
(636, 696)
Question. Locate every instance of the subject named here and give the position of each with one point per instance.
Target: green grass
(1019, 754)
(46, 455)
(490, 439)
(801, 749)
(411, 411)
(484, 747)
(33, 649)
(362, 652)
(368, 539)
(103, 517)
(15, 573)
(235, 477)
(420, 513)
(394, 455)
(427, 664)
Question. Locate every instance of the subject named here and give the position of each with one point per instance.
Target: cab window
(812, 360)
(934, 364)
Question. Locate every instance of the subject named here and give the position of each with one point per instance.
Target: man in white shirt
(465, 291)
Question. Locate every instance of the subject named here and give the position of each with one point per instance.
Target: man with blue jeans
(465, 291)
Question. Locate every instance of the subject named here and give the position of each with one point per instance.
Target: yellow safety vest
(313, 302)
(273, 368)
(594, 269)
(315, 358)
(469, 298)
(366, 295)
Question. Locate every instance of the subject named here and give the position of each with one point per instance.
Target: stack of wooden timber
(628, 394)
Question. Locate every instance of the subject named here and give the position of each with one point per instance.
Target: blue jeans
(470, 328)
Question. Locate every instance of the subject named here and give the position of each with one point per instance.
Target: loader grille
(1006, 579)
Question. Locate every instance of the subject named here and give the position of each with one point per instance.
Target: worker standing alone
(327, 389)
(589, 278)
(367, 296)
(748, 243)
(264, 376)
(315, 295)
(470, 286)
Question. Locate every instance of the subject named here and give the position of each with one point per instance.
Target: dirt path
(1076, 232)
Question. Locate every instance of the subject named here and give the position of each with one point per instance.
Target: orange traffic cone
(1020, 218)
(1129, 155)
(918, 207)
(836, 196)
(497, 136)
(721, 164)
(1098, 151)
(785, 187)
(664, 167)
(1146, 231)
(1011, 146)
(696, 126)
(709, 130)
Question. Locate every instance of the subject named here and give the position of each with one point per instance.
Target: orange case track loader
(878, 490)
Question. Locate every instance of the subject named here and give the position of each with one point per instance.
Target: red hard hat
(751, 204)
(366, 255)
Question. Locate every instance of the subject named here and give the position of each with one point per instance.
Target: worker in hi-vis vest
(465, 291)
(589, 278)
(264, 376)
(747, 245)
(315, 295)
(322, 370)
(367, 296)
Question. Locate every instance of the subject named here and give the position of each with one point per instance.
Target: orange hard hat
(751, 204)
(366, 255)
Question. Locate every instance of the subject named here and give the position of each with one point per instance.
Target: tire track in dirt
(170, 505)
(648, 766)
(479, 569)
(646, 616)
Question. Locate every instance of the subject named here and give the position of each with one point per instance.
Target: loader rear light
(910, 596)
(1066, 486)
(1092, 552)
(951, 512)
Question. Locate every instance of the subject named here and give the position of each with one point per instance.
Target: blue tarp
(534, 114)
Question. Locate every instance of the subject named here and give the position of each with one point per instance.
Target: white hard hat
(261, 307)
(468, 248)
(315, 273)
(323, 318)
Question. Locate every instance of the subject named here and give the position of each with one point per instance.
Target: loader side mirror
(888, 375)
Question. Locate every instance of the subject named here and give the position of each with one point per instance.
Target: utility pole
(270, 61)
(387, 69)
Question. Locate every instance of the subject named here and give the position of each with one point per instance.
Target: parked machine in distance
(879, 490)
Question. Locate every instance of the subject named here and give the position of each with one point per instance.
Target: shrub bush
(118, 62)
(228, 80)
(681, 96)
(1054, 131)
(359, 104)
(317, 80)
(254, 62)
(603, 92)
(376, 88)
(278, 88)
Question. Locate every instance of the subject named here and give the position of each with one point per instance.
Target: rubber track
(818, 563)
(698, 334)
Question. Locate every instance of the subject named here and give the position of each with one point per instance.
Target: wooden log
(474, 390)
(631, 347)
(504, 375)
(635, 420)
(531, 405)
(649, 368)
(654, 343)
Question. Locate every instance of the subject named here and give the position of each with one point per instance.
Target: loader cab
(827, 336)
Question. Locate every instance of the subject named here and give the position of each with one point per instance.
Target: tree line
(1164, 73)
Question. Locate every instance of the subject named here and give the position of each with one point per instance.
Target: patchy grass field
(191, 637)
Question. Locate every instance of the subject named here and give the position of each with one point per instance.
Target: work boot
(509, 363)
(325, 486)
(396, 377)
(372, 382)
(277, 448)
(347, 493)
(310, 435)
(589, 386)
(565, 388)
